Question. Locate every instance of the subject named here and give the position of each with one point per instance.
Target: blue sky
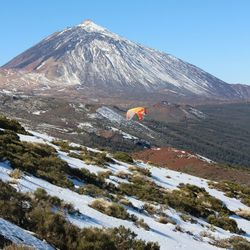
(211, 34)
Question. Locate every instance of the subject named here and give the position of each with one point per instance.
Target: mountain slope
(93, 57)
(174, 209)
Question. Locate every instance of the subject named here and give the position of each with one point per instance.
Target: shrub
(90, 157)
(234, 242)
(4, 242)
(13, 125)
(244, 213)
(13, 205)
(40, 194)
(195, 201)
(16, 174)
(92, 190)
(126, 239)
(143, 189)
(163, 220)
(233, 190)
(142, 223)
(64, 145)
(75, 155)
(149, 208)
(143, 171)
(206, 234)
(225, 223)
(166, 219)
(179, 229)
(111, 209)
(122, 175)
(126, 202)
(122, 156)
(104, 174)
(187, 218)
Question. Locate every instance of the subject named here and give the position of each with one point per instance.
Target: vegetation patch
(234, 243)
(92, 190)
(143, 171)
(141, 223)
(38, 217)
(233, 190)
(244, 213)
(13, 125)
(225, 223)
(122, 156)
(143, 189)
(150, 209)
(42, 161)
(94, 158)
(122, 175)
(110, 208)
(16, 174)
(196, 201)
(188, 218)
(189, 199)
(165, 220)
(41, 196)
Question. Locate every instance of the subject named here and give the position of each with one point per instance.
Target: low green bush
(233, 190)
(225, 223)
(143, 171)
(109, 208)
(141, 223)
(244, 213)
(92, 190)
(150, 209)
(13, 125)
(95, 158)
(16, 173)
(196, 201)
(64, 145)
(143, 189)
(166, 219)
(122, 156)
(234, 243)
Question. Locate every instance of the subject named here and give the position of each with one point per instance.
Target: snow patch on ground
(77, 163)
(204, 159)
(20, 236)
(85, 124)
(110, 115)
(124, 135)
(197, 113)
(38, 112)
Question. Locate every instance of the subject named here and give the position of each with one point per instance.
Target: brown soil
(191, 164)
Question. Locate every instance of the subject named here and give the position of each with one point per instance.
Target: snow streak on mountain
(91, 56)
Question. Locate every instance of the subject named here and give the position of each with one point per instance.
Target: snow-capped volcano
(92, 56)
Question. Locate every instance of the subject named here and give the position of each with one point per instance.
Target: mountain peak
(93, 56)
(90, 26)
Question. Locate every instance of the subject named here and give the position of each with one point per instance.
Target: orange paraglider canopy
(139, 111)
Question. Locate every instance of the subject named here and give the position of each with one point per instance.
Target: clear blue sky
(211, 34)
